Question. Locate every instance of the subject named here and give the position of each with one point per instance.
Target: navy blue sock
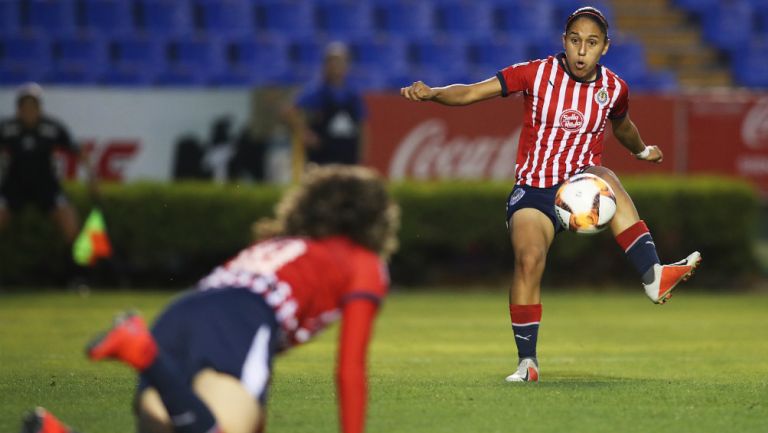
(525, 325)
(638, 245)
(188, 413)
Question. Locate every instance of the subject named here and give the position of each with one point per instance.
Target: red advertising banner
(718, 133)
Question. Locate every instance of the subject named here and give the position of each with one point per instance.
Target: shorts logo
(601, 98)
(516, 196)
(571, 120)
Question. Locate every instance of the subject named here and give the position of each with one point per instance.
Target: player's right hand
(417, 91)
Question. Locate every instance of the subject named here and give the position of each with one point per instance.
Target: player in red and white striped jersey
(206, 365)
(569, 99)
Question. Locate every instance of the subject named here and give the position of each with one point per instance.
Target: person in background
(330, 116)
(29, 140)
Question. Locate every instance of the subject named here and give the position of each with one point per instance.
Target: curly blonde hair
(350, 201)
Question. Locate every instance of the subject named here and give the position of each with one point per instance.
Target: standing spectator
(331, 115)
(29, 139)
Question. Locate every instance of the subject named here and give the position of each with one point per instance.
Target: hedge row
(452, 233)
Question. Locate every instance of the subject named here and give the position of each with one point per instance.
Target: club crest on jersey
(601, 97)
(515, 197)
(571, 120)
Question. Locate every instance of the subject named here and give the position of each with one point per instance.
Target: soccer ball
(585, 204)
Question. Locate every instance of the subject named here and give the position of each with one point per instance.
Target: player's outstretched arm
(357, 319)
(626, 132)
(455, 94)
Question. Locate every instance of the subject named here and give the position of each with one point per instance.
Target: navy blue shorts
(232, 331)
(543, 199)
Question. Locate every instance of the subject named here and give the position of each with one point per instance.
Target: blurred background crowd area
(658, 45)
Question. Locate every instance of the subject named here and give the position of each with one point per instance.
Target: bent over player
(206, 365)
(569, 98)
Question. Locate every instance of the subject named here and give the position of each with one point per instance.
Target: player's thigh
(235, 409)
(151, 415)
(531, 229)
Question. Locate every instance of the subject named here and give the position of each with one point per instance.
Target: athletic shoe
(667, 277)
(527, 371)
(129, 341)
(42, 421)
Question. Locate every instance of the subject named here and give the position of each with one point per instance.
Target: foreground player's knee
(151, 416)
(530, 262)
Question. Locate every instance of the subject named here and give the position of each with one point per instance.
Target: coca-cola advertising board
(719, 133)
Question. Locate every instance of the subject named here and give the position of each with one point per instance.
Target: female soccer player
(205, 367)
(568, 97)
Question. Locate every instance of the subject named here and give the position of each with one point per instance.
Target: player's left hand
(654, 155)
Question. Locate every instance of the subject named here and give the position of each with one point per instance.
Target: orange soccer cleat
(42, 421)
(667, 277)
(129, 341)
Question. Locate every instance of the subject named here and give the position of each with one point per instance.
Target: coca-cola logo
(428, 152)
(571, 120)
(754, 129)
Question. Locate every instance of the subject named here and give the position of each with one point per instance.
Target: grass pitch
(609, 363)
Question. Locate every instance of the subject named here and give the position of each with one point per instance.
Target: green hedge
(452, 233)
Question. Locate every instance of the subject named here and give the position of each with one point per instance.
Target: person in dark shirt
(29, 140)
(330, 116)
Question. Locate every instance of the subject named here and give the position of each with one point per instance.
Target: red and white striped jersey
(564, 119)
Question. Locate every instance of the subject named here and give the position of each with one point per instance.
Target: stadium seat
(460, 17)
(52, 17)
(134, 60)
(25, 52)
(289, 17)
(192, 61)
(367, 79)
(529, 20)
(109, 17)
(403, 18)
(729, 25)
(10, 17)
(164, 17)
(696, 7)
(77, 59)
(225, 17)
(626, 57)
(750, 66)
(380, 52)
(488, 55)
(306, 56)
(262, 59)
(342, 18)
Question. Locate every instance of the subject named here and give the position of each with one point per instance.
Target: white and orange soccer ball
(585, 204)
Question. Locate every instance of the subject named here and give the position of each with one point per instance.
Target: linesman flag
(92, 243)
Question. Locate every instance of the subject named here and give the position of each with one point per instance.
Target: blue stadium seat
(192, 61)
(164, 17)
(367, 79)
(78, 59)
(134, 60)
(696, 7)
(27, 53)
(289, 17)
(379, 52)
(343, 18)
(110, 17)
(53, 17)
(10, 17)
(530, 20)
(262, 59)
(626, 57)
(488, 55)
(445, 53)
(729, 25)
(225, 17)
(403, 18)
(306, 56)
(462, 17)
(750, 66)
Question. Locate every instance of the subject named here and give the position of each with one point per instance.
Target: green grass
(610, 363)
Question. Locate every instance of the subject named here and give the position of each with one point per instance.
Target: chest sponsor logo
(601, 98)
(571, 120)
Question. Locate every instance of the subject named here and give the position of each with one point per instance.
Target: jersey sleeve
(370, 278)
(514, 78)
(621, 106)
